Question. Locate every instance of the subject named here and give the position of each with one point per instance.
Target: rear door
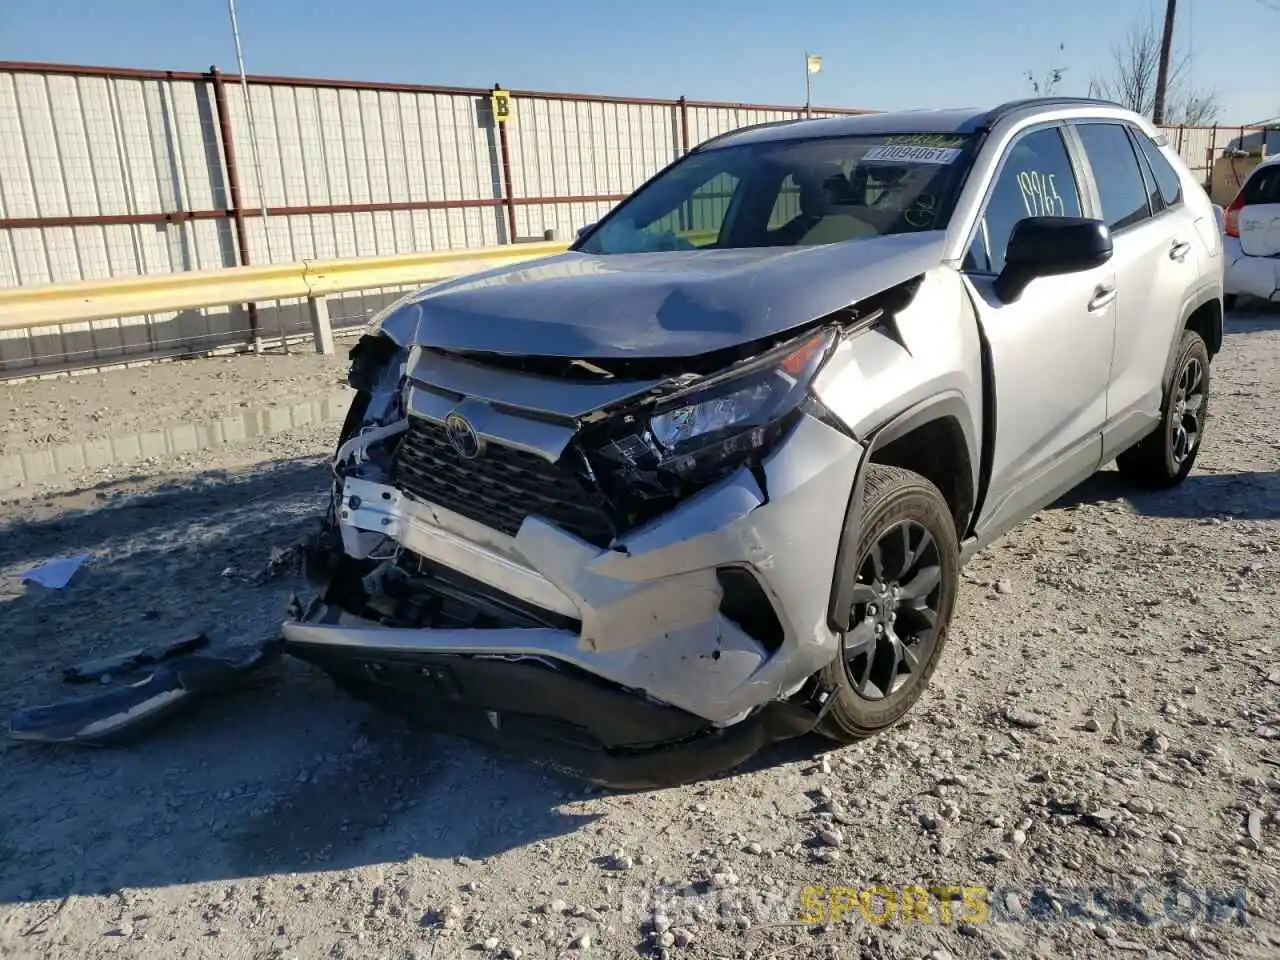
(1157, 266)
(1260, 215)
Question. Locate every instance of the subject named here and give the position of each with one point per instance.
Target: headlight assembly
(695, 436)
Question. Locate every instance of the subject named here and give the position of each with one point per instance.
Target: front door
(1050, 348)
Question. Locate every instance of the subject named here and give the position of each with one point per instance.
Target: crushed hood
(677, 304)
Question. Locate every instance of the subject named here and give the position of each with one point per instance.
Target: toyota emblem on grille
(463, 437)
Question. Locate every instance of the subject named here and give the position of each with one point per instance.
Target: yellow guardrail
(23, 307)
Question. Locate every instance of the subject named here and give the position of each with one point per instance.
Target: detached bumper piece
(552, 713)
(181, 675)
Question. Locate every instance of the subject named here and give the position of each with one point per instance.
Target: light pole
(812, 65)
(257, 159)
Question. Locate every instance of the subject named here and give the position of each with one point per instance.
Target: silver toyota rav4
(706, 480)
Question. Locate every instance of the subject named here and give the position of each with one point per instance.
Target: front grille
(500, 488)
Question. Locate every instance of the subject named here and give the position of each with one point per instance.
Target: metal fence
(109, 172)
(1201, 147)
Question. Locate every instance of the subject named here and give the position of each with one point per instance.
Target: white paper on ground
(55, 574)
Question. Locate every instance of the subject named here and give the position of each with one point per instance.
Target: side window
(787, 206)
(1035, 180)
(1167, 178)
(1116, 171)
(698, 220)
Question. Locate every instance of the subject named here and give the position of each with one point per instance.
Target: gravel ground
(131, 400)
(1106, 717)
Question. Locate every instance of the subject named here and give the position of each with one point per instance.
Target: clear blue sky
(908, 53)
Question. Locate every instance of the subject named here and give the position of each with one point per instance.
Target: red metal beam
(111, 219)
(777, 108)
(105, 220)
(593, 198)
(77, 70)
(504, 148)
(233, 183)
(379, 206)
(66, 69)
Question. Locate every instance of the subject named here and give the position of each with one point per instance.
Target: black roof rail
(994, 115)
(753, 126)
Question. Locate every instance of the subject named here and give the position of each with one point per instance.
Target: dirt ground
(37, 413)
(1106, 719)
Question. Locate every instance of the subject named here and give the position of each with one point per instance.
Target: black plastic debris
(123, 664)
(120, 712)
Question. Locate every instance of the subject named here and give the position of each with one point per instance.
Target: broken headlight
(695, 436)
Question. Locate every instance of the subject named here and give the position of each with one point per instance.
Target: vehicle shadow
(286, 775)
(1239, 496)
(1254, 317)
(87, 518)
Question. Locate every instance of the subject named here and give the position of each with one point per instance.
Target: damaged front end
(619, 566)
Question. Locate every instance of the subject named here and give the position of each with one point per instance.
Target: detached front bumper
(680, 649)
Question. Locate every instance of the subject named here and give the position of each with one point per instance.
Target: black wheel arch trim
(947, 405)
(1202, 296)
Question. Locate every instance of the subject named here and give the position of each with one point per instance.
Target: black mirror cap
(1048, 246)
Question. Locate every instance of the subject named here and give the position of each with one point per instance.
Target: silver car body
(1035, 395)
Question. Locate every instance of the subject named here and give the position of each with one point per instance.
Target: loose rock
(1253, 826)
(1023, 719)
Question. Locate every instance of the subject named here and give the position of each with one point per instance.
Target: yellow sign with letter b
(501, 100)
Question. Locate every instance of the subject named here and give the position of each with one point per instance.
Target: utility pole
(1162, 71)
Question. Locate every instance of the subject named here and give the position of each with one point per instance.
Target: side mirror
(1049, 246)
(583, 231)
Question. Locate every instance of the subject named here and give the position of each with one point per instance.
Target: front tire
(1164, 458)
(907, 573)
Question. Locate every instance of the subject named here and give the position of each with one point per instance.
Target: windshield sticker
(1040, 194)
(924, 140)
(913, 154)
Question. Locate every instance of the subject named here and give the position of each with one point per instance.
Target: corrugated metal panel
(586, 148)
(89, 143)
(93, 146)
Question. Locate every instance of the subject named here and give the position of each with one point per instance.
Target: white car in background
(1252, 242)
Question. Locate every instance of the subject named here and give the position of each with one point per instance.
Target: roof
(956, 120)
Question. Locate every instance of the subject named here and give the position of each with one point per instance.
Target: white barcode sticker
(908, 154)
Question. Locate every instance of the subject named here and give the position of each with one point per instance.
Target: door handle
(1102, 296)
(1179, 250)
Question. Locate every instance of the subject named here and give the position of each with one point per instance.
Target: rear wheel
(1164, 458)
(906, 579)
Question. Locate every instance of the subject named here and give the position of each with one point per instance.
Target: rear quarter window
(1167, 179)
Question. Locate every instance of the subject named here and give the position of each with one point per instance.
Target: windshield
(788, 193)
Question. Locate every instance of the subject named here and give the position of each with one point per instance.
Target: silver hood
(676, 304)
